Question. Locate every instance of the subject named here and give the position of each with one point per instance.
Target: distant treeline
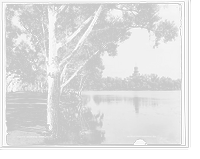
(135, 82)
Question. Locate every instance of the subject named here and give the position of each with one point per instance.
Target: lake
(153, 116)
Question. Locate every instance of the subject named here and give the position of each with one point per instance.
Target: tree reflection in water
(136, 101)
(98, 99)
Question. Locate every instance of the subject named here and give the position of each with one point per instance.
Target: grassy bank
(26, 121)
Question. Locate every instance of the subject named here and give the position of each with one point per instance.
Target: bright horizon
(138, 51)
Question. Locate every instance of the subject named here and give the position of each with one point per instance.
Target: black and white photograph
(95, 74)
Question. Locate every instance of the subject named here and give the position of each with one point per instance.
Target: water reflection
(128, 116)
(136, 101)
(98, 99)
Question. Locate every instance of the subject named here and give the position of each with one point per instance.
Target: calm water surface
(153, 116)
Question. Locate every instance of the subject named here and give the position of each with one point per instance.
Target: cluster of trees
(18, 67)
(136, 82)
(62, 44)
(21, 74)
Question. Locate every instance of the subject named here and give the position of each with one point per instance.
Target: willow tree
(58, 40)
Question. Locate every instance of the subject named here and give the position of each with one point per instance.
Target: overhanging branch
(85, 35)
(89, 29)
(61, 8)
(85, 62)
(77, 31)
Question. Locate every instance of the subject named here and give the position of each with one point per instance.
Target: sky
(138, 51)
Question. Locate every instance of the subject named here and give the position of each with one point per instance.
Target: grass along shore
(26, 121)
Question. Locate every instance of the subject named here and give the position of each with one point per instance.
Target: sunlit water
(153, 116)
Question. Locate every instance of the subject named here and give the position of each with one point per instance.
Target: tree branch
(43, 10)
(75, 73)
(85, 62)
(45, 50)
(61, 8)
(124, 27)
(127, 10)
(82, 83)
(77, 82)
(85, 35)
(37, 8)
(77, 31)
(33, 35)
(107, 28)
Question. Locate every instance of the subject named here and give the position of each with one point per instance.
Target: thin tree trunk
(82, 85)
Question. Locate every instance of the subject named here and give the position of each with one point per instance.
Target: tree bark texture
(53, 73)
(53, 104)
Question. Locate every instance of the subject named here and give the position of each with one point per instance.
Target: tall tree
(57, 41)
(19, 72)
(18, 66)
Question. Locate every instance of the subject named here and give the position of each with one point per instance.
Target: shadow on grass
(32, 130)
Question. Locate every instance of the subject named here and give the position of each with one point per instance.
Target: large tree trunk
(53, 70)
(53, 105)
(53, 73)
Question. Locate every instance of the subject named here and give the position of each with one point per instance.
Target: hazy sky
(138, 51)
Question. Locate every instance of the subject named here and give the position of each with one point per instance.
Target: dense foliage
(135, 82)
(27, 43)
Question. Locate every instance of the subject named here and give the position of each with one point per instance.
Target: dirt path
(25, 118)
